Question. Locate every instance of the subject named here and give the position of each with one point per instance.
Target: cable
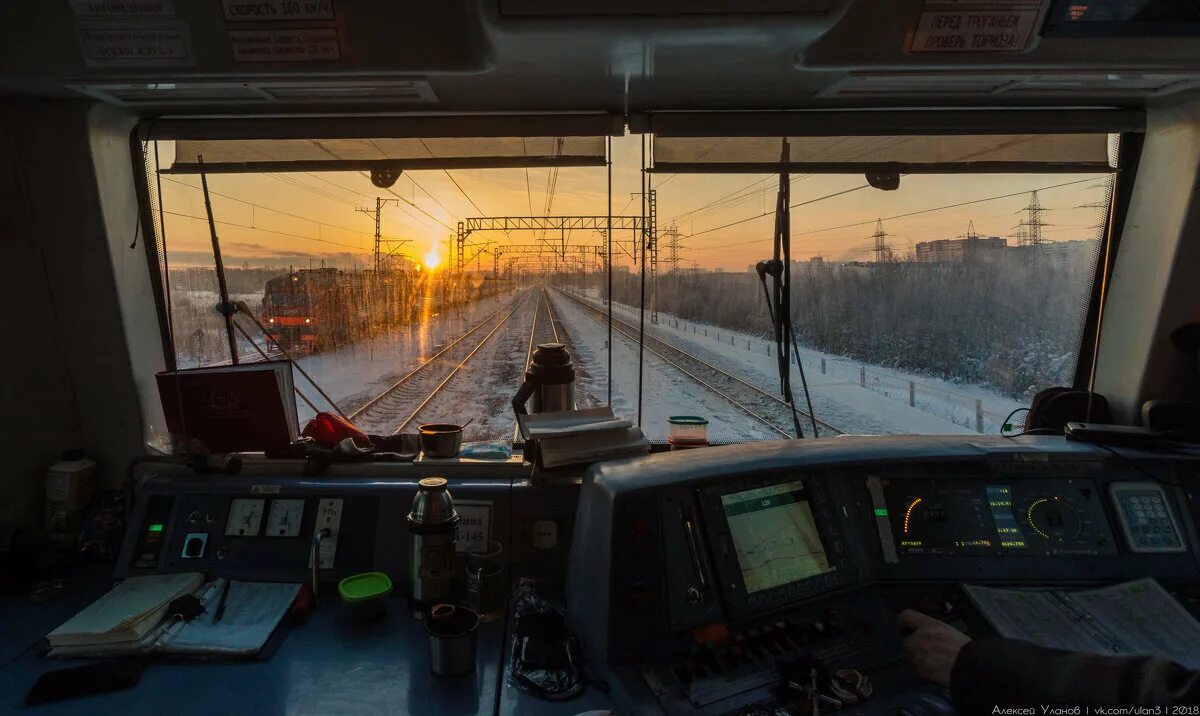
(388, 189)
(1005, 425)
(766, 213)
(269, 231)
(885, 218)
(352, 230)
(528, 190)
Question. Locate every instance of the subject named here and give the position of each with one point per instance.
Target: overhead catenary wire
(768, 213)
(452, 180)
(268, 231)
(280, 211)
(371, 198)
(389, 190)
(870, 221)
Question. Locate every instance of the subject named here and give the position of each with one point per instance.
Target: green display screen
(775, 536)
(156, 527)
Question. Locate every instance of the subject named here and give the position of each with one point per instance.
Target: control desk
(697, 575)
(690, 578)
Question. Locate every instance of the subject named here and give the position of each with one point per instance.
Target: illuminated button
(194, 544)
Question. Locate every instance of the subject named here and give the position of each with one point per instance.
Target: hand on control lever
(932, 645)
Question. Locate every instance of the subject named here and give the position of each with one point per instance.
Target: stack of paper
(569, 437)
(127, 612)
(1137, 618)
(237, 621)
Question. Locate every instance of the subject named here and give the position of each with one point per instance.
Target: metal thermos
(552, 376)
(432, 522)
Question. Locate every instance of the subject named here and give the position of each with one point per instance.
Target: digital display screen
(775, 536)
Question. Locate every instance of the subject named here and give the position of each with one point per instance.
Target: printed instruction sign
(277, 45)
(475, 528)
(270, 10)
(111, 9)
(974, 31)
(135, 47)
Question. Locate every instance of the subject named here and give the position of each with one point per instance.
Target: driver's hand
(933, 646)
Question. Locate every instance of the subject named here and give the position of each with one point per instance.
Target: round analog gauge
(1053, 519)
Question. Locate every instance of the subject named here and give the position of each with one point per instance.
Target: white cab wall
(1155, 287)
(65, 364)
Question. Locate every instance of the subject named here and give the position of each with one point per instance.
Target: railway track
(399, 404)
(755, 402)
(545, 328)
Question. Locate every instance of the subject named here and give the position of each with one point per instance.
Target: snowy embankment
(855, 397)
(666, 391)
(355, 373)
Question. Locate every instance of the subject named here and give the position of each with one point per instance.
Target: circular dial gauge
(1053, 519)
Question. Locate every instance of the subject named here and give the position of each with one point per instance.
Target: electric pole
(379, 204)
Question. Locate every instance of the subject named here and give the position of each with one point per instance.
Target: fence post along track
(763, 407)
(382, 414)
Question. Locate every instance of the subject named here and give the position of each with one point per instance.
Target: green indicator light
(156, 527)
(881, 512)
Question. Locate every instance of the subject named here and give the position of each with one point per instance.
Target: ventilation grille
(1059, 84)
(147, 94)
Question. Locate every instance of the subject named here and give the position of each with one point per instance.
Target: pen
(221, 607)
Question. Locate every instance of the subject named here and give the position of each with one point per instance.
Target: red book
(231, 408)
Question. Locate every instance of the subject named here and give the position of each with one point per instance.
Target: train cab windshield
(939, 307)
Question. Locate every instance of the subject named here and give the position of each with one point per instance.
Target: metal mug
(452, 639)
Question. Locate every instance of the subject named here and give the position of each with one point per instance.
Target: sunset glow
(432, 259)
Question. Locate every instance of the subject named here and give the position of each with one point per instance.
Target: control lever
(314, 556)
(693, 543)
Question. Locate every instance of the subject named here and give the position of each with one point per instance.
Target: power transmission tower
(379, 203)
(671, 234)
(1034, 223)
(883, 252)
(1021, 234)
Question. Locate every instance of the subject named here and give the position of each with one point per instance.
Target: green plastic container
(365, 594)
(687, 430)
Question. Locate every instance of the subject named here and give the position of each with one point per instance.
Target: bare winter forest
(1010, 325)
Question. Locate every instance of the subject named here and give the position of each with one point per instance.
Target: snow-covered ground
(353, 374)
(666, 391)
(856, 398)
(838, 395)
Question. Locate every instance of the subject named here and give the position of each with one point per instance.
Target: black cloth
(1009, 672)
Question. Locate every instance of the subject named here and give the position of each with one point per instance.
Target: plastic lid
(687, 420)
(432, 484)
(361, 587)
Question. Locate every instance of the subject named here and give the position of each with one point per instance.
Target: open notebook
(252, 613)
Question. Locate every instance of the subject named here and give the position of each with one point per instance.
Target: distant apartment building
(967, 250)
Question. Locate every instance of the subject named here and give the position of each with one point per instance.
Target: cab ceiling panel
(916, 34)
(597, 8)
(81, 42)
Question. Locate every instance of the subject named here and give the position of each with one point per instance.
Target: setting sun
(432, 259)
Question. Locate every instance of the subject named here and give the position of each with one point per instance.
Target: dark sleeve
(992, 672)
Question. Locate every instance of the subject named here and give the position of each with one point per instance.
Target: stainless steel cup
(452, 639)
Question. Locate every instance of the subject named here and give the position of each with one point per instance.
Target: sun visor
(394, 145)
(908, 141)
(911, 154)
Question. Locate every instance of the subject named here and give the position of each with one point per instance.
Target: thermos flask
(432, 522)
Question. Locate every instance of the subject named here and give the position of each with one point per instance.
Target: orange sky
(324, 225)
